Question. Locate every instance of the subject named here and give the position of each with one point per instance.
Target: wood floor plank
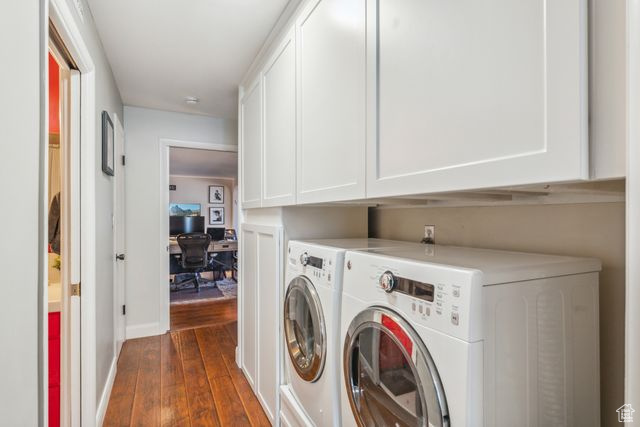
(146, 405)
(174, 405)
(210, 350)
(203, 313)
(252, 407)
(230, 409)
(124, 386)
(202, 410)
(232, 329)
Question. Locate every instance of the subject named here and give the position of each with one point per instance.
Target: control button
(387, 281)
(329, 276)
(420, 309)
(413, 306)
(427, 311)
(456, 292)
(439, 294)
(455, 318)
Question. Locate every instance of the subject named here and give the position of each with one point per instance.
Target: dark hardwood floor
(186, 315)
(186, 377)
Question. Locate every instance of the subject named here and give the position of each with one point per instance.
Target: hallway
(182, 378)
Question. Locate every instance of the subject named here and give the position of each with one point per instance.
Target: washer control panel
(441, 297)
(318, 264)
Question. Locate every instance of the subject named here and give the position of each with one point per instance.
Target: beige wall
(593, 230)
(196, 190)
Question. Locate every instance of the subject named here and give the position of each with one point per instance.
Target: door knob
(120, 257)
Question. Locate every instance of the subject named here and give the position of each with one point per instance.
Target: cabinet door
(259, 299)
(251, 146)
(331, 100)
(473, 94)
(279, 88)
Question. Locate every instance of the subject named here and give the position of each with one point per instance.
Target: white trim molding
(632, 306)
(144, 330)
(106, 393)
(63, 19)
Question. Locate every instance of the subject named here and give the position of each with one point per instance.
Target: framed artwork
(216, 194)
(184, 209)
(108, 145)
(216, 216)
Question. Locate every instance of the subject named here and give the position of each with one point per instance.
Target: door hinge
(75, 289)
(123, 160)
(124, 309)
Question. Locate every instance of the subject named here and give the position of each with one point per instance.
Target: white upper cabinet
(279, 88)
(468, 94)
(331, 100)
(251, 146)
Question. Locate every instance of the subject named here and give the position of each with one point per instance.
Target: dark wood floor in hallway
(183, 378)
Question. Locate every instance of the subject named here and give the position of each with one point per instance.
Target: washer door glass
(389, 374)
(304, 329)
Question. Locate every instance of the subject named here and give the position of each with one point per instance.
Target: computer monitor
(216, 233)
(185, 224)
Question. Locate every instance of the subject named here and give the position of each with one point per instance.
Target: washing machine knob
(304, 259)
(388, 281)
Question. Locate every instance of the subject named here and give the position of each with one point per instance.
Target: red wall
(54, 96)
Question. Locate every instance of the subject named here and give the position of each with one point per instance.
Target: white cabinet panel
(475, 94)
(268, 319)
(279, 86)
(248, 293)
(251, 146)
(331, 100)
(259, 321)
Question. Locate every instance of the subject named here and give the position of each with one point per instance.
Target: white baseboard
(106, 393)
(144, 330)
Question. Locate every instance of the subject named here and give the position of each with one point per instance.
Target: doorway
(62, 180)
(199, 212)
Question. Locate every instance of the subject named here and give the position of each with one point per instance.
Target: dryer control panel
(316, 262)
(445, 298)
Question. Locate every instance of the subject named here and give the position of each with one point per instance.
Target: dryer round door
(304, 329)
(389, 374)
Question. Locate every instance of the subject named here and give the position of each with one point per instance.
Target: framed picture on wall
(216, 194)
(108, 155)
(216, 216)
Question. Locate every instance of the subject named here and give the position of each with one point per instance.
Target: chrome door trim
(429, 385)
(312, 369)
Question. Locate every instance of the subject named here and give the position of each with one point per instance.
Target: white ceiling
(163, 51)
(192, 162)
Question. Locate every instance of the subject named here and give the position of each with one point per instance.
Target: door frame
(120, 289)
(63, 19)
(165, 145)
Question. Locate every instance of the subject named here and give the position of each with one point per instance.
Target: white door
(119, 234)
(467, 94)
(70, 243)
(331, 101)
(251, 146)
(279, 86)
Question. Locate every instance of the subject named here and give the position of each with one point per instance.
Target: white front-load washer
(448, 336)
(310, 391)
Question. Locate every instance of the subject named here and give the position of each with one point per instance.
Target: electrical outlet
(429, 234)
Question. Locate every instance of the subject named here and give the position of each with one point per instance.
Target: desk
(220, 246)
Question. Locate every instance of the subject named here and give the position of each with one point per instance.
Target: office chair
(195, 258)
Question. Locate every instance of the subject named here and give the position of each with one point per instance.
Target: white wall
(143, 130)
(107, 99)
(19, 157)
(191, 189)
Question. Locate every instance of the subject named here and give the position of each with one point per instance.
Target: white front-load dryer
(447, 336)
(310, 391)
